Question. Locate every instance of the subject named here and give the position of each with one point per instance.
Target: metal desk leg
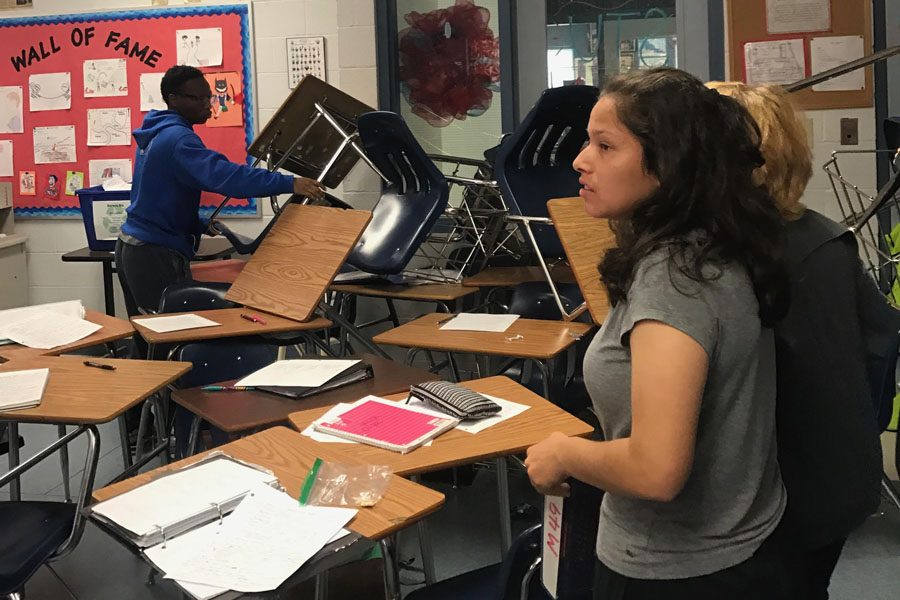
(505, 517)
(123, 440)
(425, 545)
(108, 299)
(391, 568)
(12, 431)
(322, 586)
(64, 463)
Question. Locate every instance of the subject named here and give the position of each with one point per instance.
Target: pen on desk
(96, 365)
(227, 388)
(253, 318)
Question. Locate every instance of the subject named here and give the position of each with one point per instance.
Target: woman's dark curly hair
(702, 147)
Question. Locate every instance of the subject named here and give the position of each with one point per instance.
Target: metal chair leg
(194, 436)
(123, 441)
(890, 490)
(503, 497)
(322, 586)
(391, 568)
(15, 490)
(64, 464)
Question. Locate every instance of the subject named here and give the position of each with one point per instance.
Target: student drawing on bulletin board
(227, 100)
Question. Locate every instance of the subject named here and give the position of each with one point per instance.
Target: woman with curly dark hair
(682, 373)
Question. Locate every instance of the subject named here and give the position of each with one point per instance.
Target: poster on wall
(199, 47)
(50, 91)
(74, 182)
(88, 79)
(227, 100)
(108, 77)
(11, 109)
(109, 127)
(151, 95)
(6, 158)
(54, 145)
(777, 61)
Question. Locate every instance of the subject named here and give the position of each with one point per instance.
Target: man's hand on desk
(310, 188)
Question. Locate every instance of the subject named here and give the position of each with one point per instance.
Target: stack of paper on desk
(45, 325)
(255, 549)
(22, 389)
(175, 323)
(180, 501)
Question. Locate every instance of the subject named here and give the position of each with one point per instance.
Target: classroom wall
(349, 30)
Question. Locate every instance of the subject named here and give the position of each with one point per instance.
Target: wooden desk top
(113, 329)
(77, 394)
(290, 456)
(510, 276)
(458, 447)
(540, 339)
(242, 411)
(429, 292)
(231, 325)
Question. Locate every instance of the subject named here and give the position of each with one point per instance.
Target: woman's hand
(309, 188)
(545, 465)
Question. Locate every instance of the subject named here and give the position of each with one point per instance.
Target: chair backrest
(518, 559)
(187, 296)
(534, 163)
(221, 360)
(409, 206)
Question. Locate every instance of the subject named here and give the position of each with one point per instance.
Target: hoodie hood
(156, 121)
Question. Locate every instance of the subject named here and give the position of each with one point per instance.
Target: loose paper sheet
(480, 322)
(6, 158)
(260, 545)
(46, 330)
(302, 372)
(108, 218)
(175, 323)
(101, 170)
(109, 127)
(779, 61)
(74, 182)
(105, 77)
(791, 16)
(151, 96)
(49, 91)
(829, 52)
(20, 389)
(199, 47)
(26, 183)
(227, 100)
(11, 108)
(54, 145)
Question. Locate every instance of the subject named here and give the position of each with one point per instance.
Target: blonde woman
(828, 349)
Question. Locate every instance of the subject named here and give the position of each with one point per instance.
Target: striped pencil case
(454, 400)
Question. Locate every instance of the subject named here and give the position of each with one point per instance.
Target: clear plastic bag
(334, 484)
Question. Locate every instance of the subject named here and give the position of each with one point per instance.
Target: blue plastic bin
(86, 198)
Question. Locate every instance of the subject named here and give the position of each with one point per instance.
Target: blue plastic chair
(534, 164)
(188, 296)
(214, 361)
(409, 206)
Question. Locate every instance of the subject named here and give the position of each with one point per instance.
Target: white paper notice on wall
(6, 158)
(11, 103)
(305, 56)
(109, 127)
(106, 77)
(49, 91)
(199, 47)
(101, 170)
(108, 217)
(151, 96)
(778, 61)
(794, 16)
(54, 145)
(829, 52)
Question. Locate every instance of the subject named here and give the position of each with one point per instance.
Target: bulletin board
(62, 124)
(748, 23)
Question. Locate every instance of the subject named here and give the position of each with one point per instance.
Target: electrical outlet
(849, 132)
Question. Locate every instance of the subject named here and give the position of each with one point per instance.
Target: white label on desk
(550, 549)
(108, 218)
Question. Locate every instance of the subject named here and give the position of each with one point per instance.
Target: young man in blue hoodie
(172, 167)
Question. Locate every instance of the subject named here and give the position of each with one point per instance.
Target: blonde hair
(784, 145)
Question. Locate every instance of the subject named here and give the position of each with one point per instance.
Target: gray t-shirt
(733, 497)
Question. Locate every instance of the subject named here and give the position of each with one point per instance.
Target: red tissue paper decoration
(449, 62)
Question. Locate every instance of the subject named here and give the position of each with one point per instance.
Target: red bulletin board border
(62, 44)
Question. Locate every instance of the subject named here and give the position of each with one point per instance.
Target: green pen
(309, 481)
(226, 388)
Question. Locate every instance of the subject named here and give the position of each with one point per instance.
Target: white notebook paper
(302, 372)
(175, 323)
(479, 322)
(22, 389)
(45, 330)
(69, 308)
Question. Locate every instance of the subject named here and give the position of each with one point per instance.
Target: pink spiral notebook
(387, 424)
